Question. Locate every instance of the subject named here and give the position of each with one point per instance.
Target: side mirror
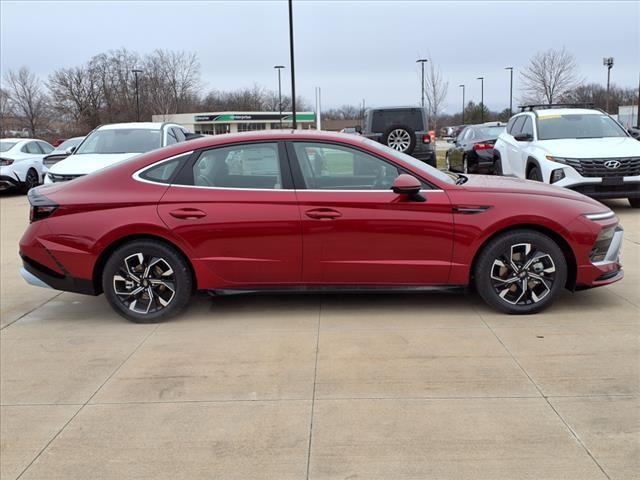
(358, 129)
(523, 137)
(70, 150)
(409, 185)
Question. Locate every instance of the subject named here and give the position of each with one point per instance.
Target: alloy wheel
(31, 180)
(144, 283)
(523, 275)
(399, 139)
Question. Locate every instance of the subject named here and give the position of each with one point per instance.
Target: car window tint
(254, 166)
(164, 171)
(179, 133)
(336, 167)
(171, 137)
(45, 147)
(32, 148)
(510, 123)
(527, 127)
(383, 119)
(517, 126)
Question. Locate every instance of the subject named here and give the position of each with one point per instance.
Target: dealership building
(215, 123)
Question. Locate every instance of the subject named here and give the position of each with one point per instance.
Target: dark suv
(405, 129)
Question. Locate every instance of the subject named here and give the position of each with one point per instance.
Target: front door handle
(323, 214)
(187, 213)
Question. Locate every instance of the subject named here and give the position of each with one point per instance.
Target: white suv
(577, 148)
(109, 144)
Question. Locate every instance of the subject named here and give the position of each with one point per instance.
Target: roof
(19, 139)
(139, 125)
(567, 111)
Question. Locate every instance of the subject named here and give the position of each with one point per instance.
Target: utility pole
(638, 120)
(279, 67)
(463, 103)
(510, 90)
(481, 98)
(318, 109)
(293, 69)
(608, 62)
(422, 61)
(135, 72)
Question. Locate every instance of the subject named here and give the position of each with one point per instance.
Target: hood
(492, 183)
(612, 147)
(88, 163)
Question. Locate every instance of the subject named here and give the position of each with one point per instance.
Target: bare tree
(170, 81)
(5, 111)
(435, 90)
(344, 112)
(549, 76)
(76, 96)
(27, 98)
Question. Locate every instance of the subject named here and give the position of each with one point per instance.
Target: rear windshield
(121, 140)
(489, 132)
(6, 146)
(552, 127)
(383, 119)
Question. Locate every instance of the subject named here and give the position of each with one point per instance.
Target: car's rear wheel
(31, 180)
(401, 138)
(147, 281)
(634, 202)
(534, 174)
(520, 272)
(497, 166)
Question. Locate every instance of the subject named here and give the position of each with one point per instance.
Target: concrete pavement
(321, 387)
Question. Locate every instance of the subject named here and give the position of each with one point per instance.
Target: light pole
(463, 103)
(422, 61)
(510, 90)
(608, 62)
(135, 72)
(293, 68)
(279, 67)
(481, 98)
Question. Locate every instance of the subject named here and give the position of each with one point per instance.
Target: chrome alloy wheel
(523, 275)
(399, 139)
(145, 284)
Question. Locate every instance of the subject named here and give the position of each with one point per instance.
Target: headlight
(600, 216)
(557, 159)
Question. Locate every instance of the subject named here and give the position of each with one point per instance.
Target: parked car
(405, 129)
(472, 150)
(254, 212)
(351, 130)
(61, 152)
(114, 143)
(21, 162)
(582, 149)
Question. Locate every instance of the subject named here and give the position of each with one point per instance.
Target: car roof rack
(542, 106)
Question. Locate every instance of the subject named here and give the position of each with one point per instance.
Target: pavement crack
(313, 398)
(32, 310)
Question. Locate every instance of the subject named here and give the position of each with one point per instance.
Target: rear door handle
(323, 214)
(187, 213)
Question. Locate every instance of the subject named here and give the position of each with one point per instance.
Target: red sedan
(310, 211)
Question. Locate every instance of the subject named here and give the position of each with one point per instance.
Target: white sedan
(21, 162)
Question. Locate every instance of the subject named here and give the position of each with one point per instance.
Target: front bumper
(606, 271)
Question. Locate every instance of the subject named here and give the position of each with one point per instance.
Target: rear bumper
(36, 274)
(7, 182)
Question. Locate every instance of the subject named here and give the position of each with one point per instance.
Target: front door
(357, 231)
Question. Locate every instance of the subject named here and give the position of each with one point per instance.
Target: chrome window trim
(137, 173)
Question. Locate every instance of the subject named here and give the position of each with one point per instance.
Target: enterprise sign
(239, 117)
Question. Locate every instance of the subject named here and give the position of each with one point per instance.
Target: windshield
(422, 167)
(490, 132)
(72, 142)
(122, 140)
(6, 146)
(552, 127)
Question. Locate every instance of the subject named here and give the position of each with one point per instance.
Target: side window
(171, 137)
(45, 147)
(33, 148)
(163, 172)
(179, 133)
(337, 167)
(527, 127)
(253, 166)
(510, 123)
(517, 126)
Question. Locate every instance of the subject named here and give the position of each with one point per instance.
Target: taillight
(41, 206)
(38, 213)
(426, 138)
(482, 146)
(5, 161)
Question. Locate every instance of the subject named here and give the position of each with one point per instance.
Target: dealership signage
(247, 117)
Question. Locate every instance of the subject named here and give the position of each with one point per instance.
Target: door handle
(323, 214)
(187, 213)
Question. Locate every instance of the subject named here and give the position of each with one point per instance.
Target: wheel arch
(532, 162)
(113, 246)
(569, 255)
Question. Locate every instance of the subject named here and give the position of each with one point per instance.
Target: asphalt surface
(322, 387)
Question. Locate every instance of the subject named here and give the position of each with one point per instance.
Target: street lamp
(293, 69)
(510, 90)
(481, 98)
(463, 104)
(279, 67)
(608, 62)
(422, 61)
(135, 72)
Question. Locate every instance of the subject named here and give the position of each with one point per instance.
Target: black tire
(634, 202)
(151, 272)
(497, 166)
(534, 174)
(398, 132)
(510, 287)
(31, 180)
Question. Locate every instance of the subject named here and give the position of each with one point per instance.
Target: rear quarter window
(165, 171)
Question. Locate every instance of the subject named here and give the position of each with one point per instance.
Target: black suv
(405, 129)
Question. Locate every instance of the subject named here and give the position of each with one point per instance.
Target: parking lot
(322, 387)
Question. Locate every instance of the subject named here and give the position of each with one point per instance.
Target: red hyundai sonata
(310, 211)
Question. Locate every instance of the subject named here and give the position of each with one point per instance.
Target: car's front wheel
(147, 281)
(520, 272)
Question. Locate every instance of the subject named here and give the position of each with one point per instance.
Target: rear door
(356, 230)
(235, 207)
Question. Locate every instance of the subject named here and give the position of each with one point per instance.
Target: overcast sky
(352, 49)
